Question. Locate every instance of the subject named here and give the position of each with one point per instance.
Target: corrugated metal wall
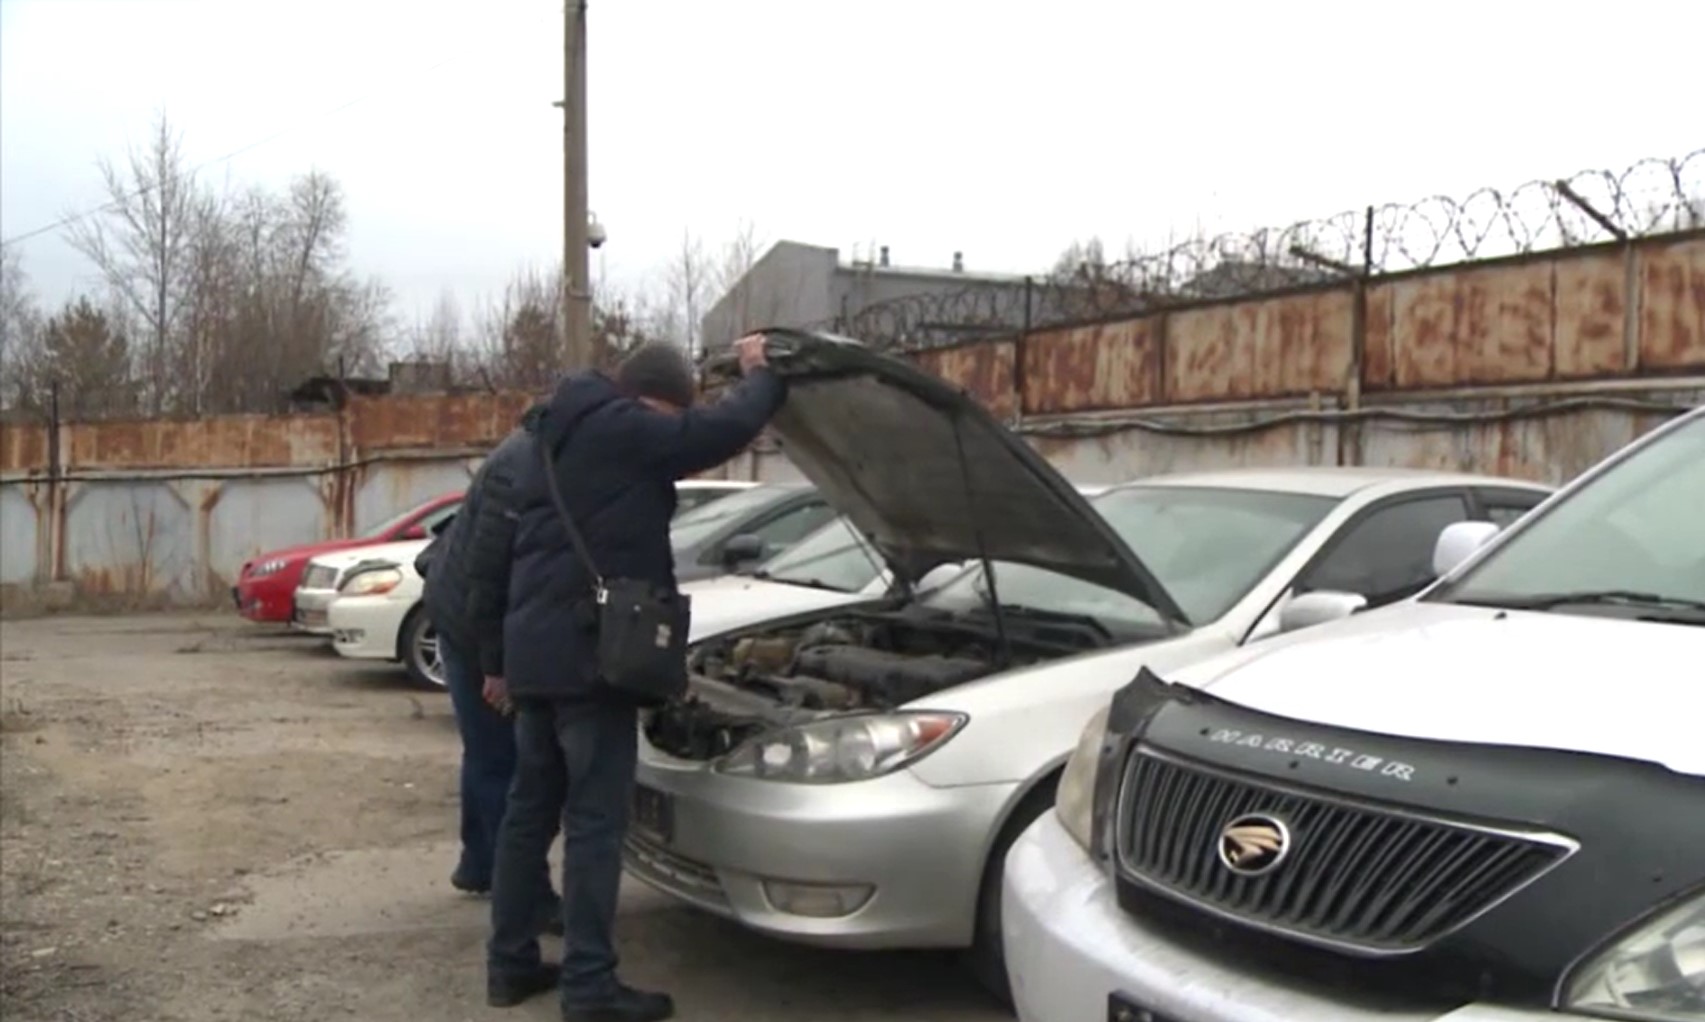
(1534, 367)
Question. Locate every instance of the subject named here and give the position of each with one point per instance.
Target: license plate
(1122, 1009)
(654, 813)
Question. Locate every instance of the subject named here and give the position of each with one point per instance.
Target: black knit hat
(658, 370)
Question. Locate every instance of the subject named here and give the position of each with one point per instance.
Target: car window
(689, 498)
(432, 520)
(1387, 554)
(1634, 529)
(379, 531)
(834, 557)
(695, 526)
(1208, 546)
(1503, 516)
(791, 526)
(1504, 507)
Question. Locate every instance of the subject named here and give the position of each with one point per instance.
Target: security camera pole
(576, 277)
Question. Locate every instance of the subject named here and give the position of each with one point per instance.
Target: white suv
(1483, 804)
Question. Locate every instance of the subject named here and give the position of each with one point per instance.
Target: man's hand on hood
(750, 349)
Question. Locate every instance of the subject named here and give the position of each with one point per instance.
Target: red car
(266, 585)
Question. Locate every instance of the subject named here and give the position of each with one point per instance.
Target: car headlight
(1654, 973)
(1074, 799)
(371, 582)
(266, 568)
(842, 749)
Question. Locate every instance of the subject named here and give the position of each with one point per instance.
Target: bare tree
(141, 243)
(1081, 260)
(236, 297)
(622, 321)
(688, 282)
(520, 335)
(20, 325)
(751, 304)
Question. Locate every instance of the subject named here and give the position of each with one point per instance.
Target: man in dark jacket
(467, 590)
(616, 446)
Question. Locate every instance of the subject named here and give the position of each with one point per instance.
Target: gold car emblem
(1254, 845)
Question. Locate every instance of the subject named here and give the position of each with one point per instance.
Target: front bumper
(918, 849)
(256, 601)
(366, 627)
(1069, 946)
(309, 607)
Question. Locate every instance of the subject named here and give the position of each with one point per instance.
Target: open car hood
(920, 468)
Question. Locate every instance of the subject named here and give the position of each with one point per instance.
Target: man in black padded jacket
(466, 569)
(615, 444)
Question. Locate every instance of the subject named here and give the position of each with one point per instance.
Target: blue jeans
(488, 767)
(576, 761)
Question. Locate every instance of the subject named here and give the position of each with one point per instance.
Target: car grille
(1362, 877)
(677, 874)
(319, 576)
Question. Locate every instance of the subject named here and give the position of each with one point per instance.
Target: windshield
(833, 557)
(697, 525)
(1208, 546)
(378, 531)
(1634, 529)
(689, 498)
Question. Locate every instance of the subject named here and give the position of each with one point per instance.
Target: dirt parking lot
(203, 819)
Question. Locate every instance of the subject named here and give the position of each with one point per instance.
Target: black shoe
(466, 884)
(625, 1005)
(506, 991)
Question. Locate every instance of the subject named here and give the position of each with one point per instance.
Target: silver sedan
(852, 776)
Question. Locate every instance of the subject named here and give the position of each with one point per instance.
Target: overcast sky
(998, 128)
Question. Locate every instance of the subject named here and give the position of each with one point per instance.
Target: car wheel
(987, 955)
(419, 650)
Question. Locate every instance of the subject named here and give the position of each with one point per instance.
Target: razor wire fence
(1653, 196)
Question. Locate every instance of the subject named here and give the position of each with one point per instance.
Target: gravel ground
(205, 819)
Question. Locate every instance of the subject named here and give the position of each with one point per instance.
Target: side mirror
(744, 547)
(1306, 610)
(415, 531)
(1457, 542)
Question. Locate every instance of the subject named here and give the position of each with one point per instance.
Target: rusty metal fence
(1532, 366)
(1652, 197)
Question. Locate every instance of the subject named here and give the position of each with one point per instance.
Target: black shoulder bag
(642, 630)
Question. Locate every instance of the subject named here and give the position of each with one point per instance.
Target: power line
(72, 218)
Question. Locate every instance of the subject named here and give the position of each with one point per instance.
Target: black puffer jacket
(467, 569)
(616, 462)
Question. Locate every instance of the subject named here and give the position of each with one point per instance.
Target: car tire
(986, 957)
(417, 648)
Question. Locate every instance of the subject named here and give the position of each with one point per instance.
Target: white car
(832, 567)
(1483, 804)
(378, 614)
(852, 776)
(324, 577)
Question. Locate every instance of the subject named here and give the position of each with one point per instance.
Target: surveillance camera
(596, 235)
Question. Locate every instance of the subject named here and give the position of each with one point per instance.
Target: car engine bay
(748, 683)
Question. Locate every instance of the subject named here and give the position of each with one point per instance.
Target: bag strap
(568, 525)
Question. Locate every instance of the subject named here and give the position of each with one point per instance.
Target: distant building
(414, 376)
(799, 285)
(808, 286)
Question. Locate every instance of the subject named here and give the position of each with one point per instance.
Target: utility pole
(576, 276)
